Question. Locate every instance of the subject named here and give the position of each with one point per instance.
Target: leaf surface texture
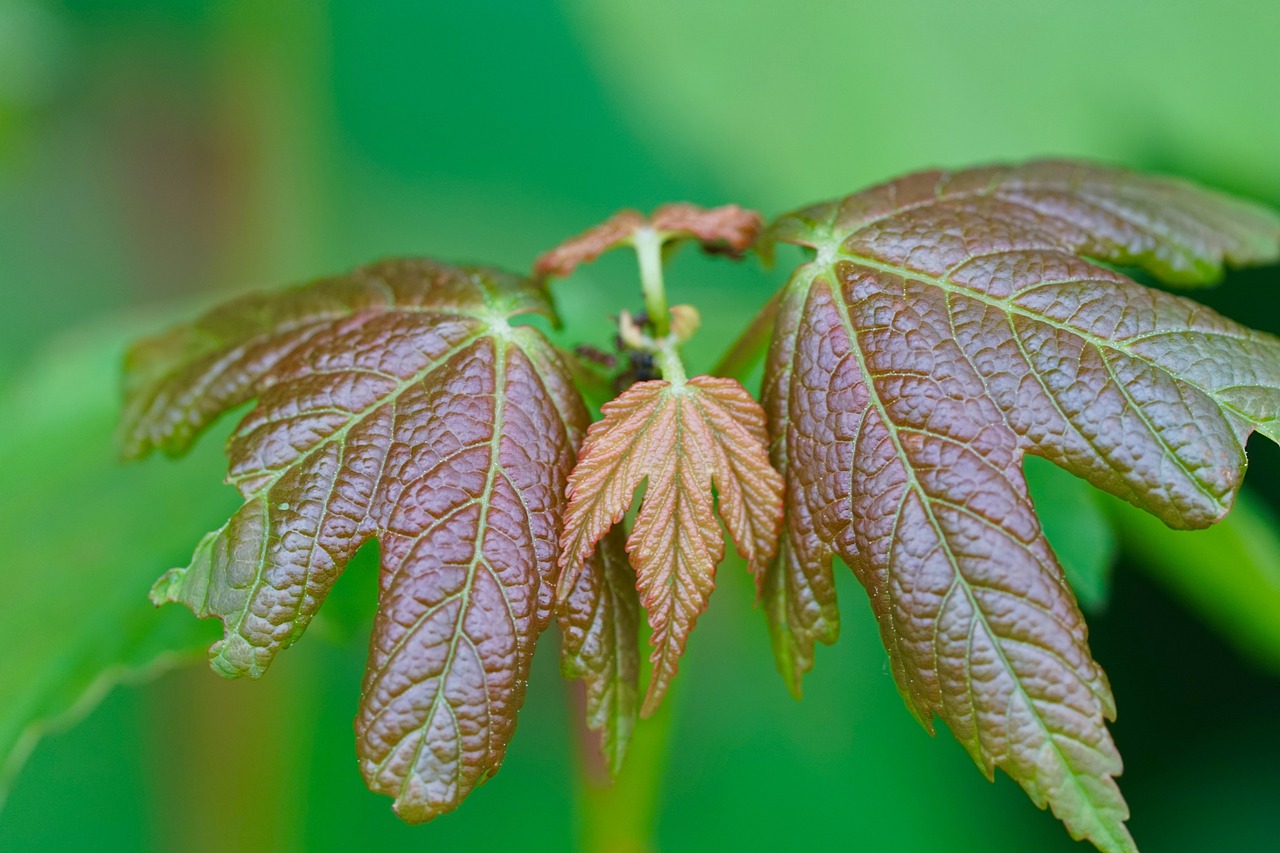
(680, 438)
(396, 402)
(600, 620)
(949, 325)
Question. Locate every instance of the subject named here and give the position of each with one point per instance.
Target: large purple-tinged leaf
(399, 403)
(949, 325)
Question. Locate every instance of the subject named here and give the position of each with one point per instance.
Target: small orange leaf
(683, 437)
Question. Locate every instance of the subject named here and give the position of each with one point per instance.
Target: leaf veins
(396, 402)
(949, 326)
(600, 619)
(683, 437)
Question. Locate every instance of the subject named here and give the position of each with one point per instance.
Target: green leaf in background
(1077, 528)
(1229, 574)
(789, 102)
(33, 51)
(85, 538)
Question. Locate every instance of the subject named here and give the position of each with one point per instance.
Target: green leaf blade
(86, 625)
(1240, 597)
(1083, 537)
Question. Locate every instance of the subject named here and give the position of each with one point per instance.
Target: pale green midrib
(495, 446)
(338, 435)
(593, 506)
(891, 428)
(672, 580)
(431, 610)
(667, 654)
(359, 417)
(1010, 308)
(539, 342)
(465, 505)
(250, 592)
(298, 324)
(890, 599)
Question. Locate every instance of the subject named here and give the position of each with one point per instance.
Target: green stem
(667, 358)
(619, 816)
(750, 346)
(648, 245)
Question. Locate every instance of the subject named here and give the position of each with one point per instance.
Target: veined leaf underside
(397, 403)
(948, 326)
(600, 618)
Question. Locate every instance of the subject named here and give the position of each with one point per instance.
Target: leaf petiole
(647, 242)
(667, 359)
(648, 245)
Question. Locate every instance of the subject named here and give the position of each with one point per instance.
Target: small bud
(685, 321)
(631, 334)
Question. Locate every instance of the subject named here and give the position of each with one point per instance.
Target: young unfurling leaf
(728, 230)
(947, 327)
(399, 403)
(683, 437)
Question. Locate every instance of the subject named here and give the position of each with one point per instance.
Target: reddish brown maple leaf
(947, 327)
(396, 402)
(682, 437)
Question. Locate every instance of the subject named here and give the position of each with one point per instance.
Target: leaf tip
(794, 682)
(413, 810)
(616, 756)
(168, 587)
(652, 700)
(791, 665)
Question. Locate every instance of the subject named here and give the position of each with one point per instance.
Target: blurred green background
(155, 156)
